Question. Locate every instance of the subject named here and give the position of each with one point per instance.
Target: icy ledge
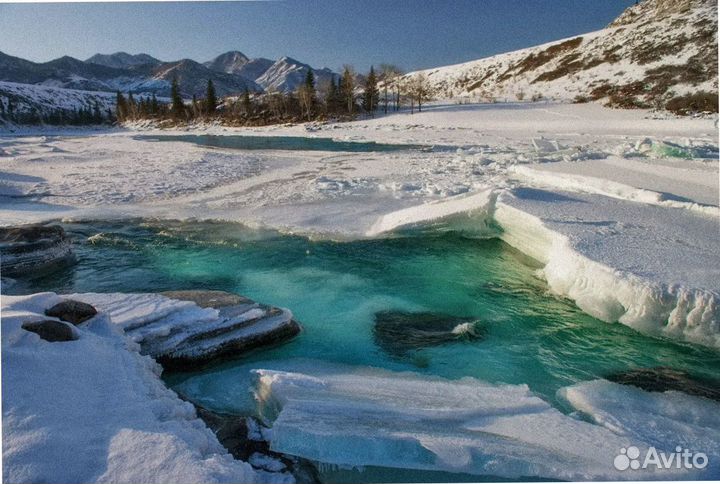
(98, 391)
(365, 416)
(653, 268)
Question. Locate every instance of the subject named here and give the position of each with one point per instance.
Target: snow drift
(95, 410)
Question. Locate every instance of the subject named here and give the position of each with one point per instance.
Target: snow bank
(95, 410)
(365, 416)
(608, 188)
(622, 261)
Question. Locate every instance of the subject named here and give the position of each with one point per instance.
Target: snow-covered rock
(190, 329)
(33, 248)
(95, 410)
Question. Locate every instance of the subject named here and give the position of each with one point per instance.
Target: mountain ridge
(232, 73)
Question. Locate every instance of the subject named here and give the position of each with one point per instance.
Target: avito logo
(680, 459)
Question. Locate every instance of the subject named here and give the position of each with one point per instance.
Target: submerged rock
(34, 248)
(662, 379)
(74, 312)
(49, 330)
(189, 340)
(244, 438)
(399, 332)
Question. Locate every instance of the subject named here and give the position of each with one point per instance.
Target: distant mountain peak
(122, 60)
(229, 62)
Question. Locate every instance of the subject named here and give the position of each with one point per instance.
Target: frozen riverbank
(97, 411)
(624, 211)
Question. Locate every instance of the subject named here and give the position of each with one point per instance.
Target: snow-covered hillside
(30, 104)
(654, 51)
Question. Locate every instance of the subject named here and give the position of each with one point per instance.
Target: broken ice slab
(543, 145)
(358, 416)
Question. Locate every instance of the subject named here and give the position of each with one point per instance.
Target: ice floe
(365, 416)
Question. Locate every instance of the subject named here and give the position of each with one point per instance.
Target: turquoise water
(280, 143)
(335, 289)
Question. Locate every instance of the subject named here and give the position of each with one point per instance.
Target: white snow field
(95, 410)
(367, 416)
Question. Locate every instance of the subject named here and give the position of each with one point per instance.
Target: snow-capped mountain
(141, 78)
(63, 72)
(286, 74)
(655, 50)
(235, 62)
(193, 78)
(121, 60)
(232, 73)
(254, 68)
(229, 62)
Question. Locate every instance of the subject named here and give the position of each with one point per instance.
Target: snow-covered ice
(95, 410)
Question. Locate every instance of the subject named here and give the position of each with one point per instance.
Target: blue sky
(411, 34)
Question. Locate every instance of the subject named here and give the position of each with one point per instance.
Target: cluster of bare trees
(398, 88)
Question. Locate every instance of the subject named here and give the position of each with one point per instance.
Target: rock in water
(52, 331)
(399, 332)
(74, 312)
(663, 379)
(244, 438)
(236, 326)
(34, 248)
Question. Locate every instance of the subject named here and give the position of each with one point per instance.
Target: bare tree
(390, 78)
(419, 90)
(347, 86)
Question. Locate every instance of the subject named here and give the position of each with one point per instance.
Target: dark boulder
(244, 439)
(400, 332)
(49, 330)
(662, 379)
(74, 312)
(29, 249)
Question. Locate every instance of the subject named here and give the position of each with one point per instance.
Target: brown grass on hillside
(693, 103)
(533, 61)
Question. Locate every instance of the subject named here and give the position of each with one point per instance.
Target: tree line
(340, 97)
